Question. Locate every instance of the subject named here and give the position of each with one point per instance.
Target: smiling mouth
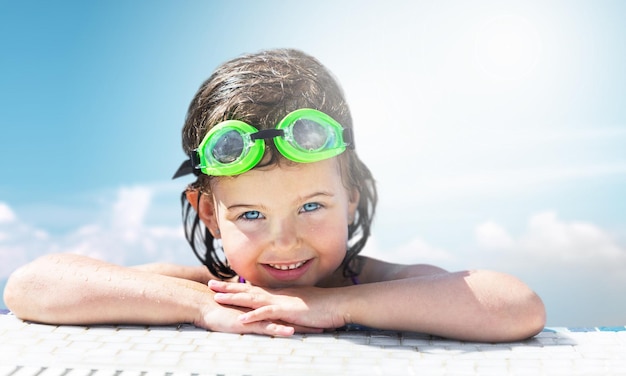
(287, 266)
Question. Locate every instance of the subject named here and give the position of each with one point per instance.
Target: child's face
(284, 225)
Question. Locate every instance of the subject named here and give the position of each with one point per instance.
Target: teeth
(287, 267)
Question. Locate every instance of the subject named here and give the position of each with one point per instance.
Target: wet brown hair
(260, 89)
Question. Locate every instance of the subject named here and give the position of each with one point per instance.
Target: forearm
(70, 289)
(480, 306)
(194, 273)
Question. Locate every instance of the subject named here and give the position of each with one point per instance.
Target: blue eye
(253, 214)
(311, 206)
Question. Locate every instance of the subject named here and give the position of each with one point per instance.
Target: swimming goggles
(233, 147)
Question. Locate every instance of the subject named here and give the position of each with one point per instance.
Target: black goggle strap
(189, 166)
(348, 138)
(267, 134)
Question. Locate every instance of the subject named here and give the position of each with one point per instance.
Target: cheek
(240, 248)
(330, 237)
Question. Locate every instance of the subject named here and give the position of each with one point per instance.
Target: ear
(353, 203)
(205, 209)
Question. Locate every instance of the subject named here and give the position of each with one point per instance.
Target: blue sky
(496, 130)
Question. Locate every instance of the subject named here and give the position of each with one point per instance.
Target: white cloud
(490, 235)
(547, 240)
(6, 214)
(573, 242)
(415, 251)
(131, 207)
(550, 240)
(122, 237)
(125, 238)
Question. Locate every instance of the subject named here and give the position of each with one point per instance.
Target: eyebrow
(299, 199)
(237, 206)
(315, 194)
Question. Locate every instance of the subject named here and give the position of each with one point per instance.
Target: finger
(247, 300)
(274, 313)
(221, 286)
(264, 313)
(272, 329)
(283, 330)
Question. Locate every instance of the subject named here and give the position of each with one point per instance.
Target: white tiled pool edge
(33, 349)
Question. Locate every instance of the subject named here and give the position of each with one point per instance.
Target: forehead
(281, 180)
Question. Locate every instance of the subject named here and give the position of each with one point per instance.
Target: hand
(226, 319)
(303, 307)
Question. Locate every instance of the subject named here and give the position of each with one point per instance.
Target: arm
(476, 305)
(72, 289)
(472, 305)
(199, 274)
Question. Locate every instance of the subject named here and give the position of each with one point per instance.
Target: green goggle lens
(305, 135)
(309, 135)
(228, 148)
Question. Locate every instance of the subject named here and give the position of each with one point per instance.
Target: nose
(285, 234)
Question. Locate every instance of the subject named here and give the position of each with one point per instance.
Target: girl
(280, 209)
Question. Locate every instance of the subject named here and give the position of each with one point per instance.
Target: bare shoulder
(374, 270)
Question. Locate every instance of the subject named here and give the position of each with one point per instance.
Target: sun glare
(507, 47)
